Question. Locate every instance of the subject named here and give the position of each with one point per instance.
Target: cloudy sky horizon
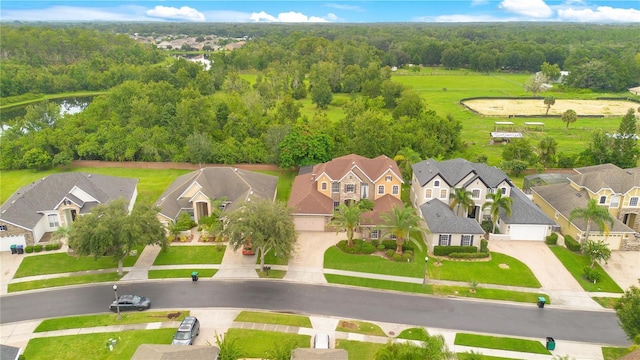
(312, 11)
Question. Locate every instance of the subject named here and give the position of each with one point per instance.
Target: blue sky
(301, 11)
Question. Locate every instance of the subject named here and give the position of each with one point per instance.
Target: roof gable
(441, 220)
(607, 176)
(454, 170)
(372, 168)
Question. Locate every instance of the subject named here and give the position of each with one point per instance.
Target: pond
(68, 105)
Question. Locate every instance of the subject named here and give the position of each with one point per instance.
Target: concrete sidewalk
(219, 321)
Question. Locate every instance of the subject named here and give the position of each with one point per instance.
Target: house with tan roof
(195, 192)
(434, 181)
(321, 188)
(36, 210)
(615, 189)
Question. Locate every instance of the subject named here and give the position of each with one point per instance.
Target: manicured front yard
(93, 346)
(76, 322)
(181, 273)
(501, 343)
(614, 353)
(360, 327)
(178, 255)
(256, 344)
(414, 334)
(513, 272)
(63, 263)
(440, 290)
(274, 318)
(359, 350)
(64, 281)
(575, 262)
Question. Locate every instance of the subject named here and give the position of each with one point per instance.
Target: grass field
(501, 343)
(576, 262)
(359, 350)
(274, 318)
(64, 281)
(180, 255)
(75, 322)
(256, 344)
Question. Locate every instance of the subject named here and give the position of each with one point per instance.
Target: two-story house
(36, 210)
(436, 181)
(319, 189)
(616, 189)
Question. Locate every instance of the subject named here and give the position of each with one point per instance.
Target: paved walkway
(219, 321)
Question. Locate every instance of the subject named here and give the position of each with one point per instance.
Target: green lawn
(614, 353)
(62, 263)
(606, 302)
(359, 350)
(417, 333)
(440, 290)
(93, 346)
(271, 274)
(256, 344)
(501, 343)
(476, 356)
(76, 322)
(64, 281)
(575, 262)
(285, 182)
(151, 182)
(180, 255)
(274, 318)
(181, 273)
(360, 327)
(488, 272)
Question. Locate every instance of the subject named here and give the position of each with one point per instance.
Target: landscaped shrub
(571, 243)
(391, 244)
(381, 247)
(406, 257)
(37, 248)
(359, 247)
(397, 257)
(28, 249)
(487, 226)
(47, 247)
(410, 252)
(446, 250)
(590, 274)
(375, 242)
(390, 252)
(484, 245)
(367, 248)
(478, 255)
(552, 239)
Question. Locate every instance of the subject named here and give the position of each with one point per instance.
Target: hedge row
(391, 244)
(446, 250)
(38, 248)
(484, 245)
(571, 243)
(359, 247)
(551, 239)
(478, 255)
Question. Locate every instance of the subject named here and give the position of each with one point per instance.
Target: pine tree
(625, 145)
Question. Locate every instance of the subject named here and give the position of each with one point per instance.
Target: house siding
(13, 230)
(388, 186)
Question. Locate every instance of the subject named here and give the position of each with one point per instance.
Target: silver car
(187, 331)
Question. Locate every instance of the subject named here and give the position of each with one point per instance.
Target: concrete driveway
(307, 262)
(624, 268)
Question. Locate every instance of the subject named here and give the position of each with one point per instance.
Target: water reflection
(70, 105)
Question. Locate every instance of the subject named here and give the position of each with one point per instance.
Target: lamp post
(115, 290)
(426, 263)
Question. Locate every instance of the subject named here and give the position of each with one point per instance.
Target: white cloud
(531, 8)
(600, 14)
(289, 17)
(184, 13)
(345, 7)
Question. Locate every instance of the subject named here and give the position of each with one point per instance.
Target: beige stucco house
(614, 188)
(43, 206)
(195, 192)
(319, 189)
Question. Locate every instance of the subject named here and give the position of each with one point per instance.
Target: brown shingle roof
(305, 199)
(382, 205)
(373, 168)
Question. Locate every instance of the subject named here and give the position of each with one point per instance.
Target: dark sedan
(131, 302)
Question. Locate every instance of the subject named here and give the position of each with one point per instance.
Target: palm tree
(403, 222)
(593, 213)
(569, 117)
(406, 158)
(496, 203)
(461, 197)
(347, 217)
(549, 101)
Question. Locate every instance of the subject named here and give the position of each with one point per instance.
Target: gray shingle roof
(524, 211)
(236, 185)
(610, 176)
(454, 170)
(24, 207)
(441, 220)
(564, 199)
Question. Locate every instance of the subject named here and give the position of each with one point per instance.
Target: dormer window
(603, 200)
(504, 190)
(436, 183)
(387, 178)
(323, 186)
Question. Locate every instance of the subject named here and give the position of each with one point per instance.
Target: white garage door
(309, 223)
(528, 232)
(6, 242)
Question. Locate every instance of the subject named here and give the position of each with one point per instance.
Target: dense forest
(159, 108)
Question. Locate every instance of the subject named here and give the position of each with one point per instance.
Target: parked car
(131, 302)
(247, 248)
(187, 331)
(321, 341)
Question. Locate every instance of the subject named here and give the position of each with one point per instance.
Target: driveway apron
(307, 262)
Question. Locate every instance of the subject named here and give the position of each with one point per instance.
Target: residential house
(194, 192)
(435, 181)
(448, 229)
(33, 212)
(318, 190)
(614, 188)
